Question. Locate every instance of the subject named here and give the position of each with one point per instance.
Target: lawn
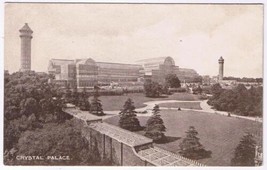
(187, 105)
(219, 134)
(111, 103)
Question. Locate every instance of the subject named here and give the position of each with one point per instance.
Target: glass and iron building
(158, 68)
(87, 72)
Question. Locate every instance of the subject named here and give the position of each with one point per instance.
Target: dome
(88, 61)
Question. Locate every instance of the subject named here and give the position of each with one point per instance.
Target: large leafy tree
(29, 93)
(96, 106)
(56, 140)
(216, 90)
(190, 146)
(34, 123)
(155, 126)
(128, 118)
(239, 100)
(29, 100)
(172, 81)
(152, 89)
(29, 106)
(245, 152)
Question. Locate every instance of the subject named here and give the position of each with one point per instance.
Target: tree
(155, 126)
(172, 81)
(216, 89)
(28, 102)
(11, 134)
(152, 89)
(245, 152)
(238, 100)
(83, 103)
(12, 112)
(197, 90)
(29, 106)
(68, 94)
(96, 106)
(190, 146)
(57, 140)
(75, 96)
(128, 118)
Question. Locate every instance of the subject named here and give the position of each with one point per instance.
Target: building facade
(87, 72)
(158, 68)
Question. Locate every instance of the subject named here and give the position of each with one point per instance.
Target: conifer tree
(190, 146)
(96, 106)
(75, 96)
(84, 104)
(155, 126)
(128, 118)
(67, 95)
(245, 152)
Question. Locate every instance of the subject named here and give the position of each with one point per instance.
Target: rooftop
(161, 157)
(26, 28)
(121, 135)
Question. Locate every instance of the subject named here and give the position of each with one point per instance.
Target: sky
(194, 35)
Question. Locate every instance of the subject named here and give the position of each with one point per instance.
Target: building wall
(26, 36)
(111, 149)
(25, 53)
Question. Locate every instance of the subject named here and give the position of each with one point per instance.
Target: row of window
(83, 83)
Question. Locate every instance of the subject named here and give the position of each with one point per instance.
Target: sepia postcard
(133, 84)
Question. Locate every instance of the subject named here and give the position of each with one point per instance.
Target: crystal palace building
(86, 73)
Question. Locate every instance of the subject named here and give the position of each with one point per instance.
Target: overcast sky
(194, 35)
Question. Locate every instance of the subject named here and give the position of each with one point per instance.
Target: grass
(187, 105)
(219, 134)
(111, 103)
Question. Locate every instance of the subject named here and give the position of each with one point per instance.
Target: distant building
(158, 68)
(87, 72)
(26, 36)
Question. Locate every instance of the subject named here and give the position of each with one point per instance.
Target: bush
(177, 90)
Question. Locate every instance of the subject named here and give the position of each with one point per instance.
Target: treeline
(244, 79)
(34, 123)
(155, 89)
(239, 100)
(110, 92)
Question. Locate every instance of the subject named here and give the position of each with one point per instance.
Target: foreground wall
(123, 147)
(111, 149)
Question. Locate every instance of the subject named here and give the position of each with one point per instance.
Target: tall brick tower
(26, 36)
(221, 62)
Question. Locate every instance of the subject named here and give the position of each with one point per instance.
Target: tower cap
(26, 28)
(221, 59)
